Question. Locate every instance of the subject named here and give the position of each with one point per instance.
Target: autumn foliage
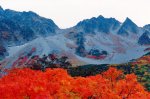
(142, 61)
(58, 84)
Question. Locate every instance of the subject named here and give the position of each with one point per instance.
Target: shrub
(57, 84)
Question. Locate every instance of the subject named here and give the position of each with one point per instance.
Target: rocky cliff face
(147, 27)
(99, 24)
(128, 27)
(17, 28)
(144, 38)
(105, 40)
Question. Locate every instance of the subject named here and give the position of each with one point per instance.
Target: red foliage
(33, 49)
(20, 62)
(142, 61)
(57, 84)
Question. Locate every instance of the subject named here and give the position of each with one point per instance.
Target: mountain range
(96, 40)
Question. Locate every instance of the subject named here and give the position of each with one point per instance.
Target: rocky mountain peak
(147, 27)
(98, 24)
(1, 8)
(128, 27)
(145, 38)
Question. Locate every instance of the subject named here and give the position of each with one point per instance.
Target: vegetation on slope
(57, 84)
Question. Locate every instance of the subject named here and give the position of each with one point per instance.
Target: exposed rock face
(99, 24)
(144, 39)
(21, 27)
(96, 38)
(3, 52)
(128, 27)
(17, 28)
(147, 27)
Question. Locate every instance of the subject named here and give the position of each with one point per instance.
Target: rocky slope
(17, 28)
(96, 41)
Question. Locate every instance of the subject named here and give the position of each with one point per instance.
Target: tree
(57, 84)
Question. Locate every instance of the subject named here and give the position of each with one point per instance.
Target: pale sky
(67, 13)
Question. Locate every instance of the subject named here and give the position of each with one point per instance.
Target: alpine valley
(98, 40)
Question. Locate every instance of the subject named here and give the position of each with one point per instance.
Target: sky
(67, 13)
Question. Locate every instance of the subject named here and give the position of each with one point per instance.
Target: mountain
(147, 27)
(99, 24)
(3, 52)
(17, 28)
(128, 26)
(144, 38)
(21, 27)
(98, 40)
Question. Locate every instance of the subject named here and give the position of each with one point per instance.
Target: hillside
(97, 40)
